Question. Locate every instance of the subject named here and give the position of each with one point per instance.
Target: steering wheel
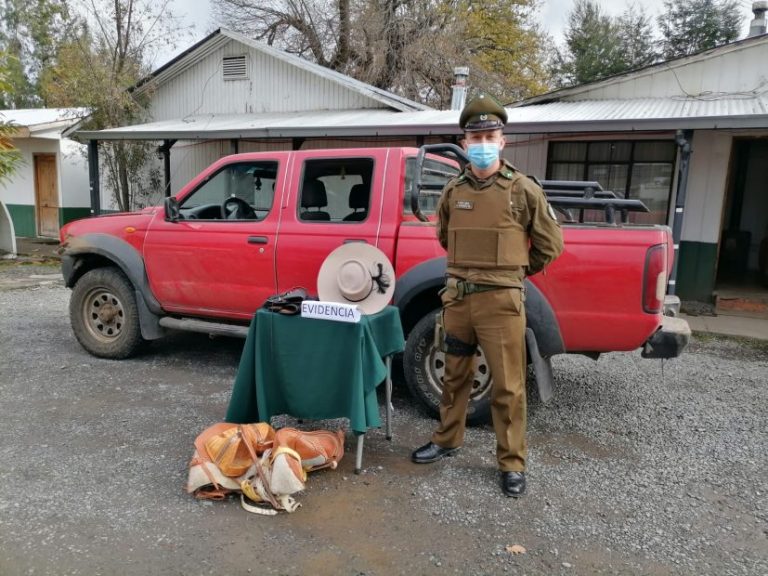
(234, 208)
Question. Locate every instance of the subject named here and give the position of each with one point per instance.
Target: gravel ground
(634, 468)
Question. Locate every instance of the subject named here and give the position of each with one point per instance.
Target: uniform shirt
(546, 238)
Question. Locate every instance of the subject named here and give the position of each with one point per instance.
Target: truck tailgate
(596, 286)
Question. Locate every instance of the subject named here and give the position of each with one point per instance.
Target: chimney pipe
(459, 94)
(758, 26)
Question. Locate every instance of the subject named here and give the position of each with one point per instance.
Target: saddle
(264, 466)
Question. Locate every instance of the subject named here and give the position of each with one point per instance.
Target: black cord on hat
(382, 280)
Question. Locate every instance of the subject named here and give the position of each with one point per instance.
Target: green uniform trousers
(496, 321)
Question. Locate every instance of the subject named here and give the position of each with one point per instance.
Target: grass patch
(752, 343)
(20, 263)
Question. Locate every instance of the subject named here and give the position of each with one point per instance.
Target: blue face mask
(483, 155)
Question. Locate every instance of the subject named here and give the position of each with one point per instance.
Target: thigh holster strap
(458, 347)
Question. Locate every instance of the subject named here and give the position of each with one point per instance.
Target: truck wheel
(104, 315)
(424, 366)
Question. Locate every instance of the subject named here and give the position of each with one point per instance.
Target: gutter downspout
(93, 176)
(683, 140)
(165, 152)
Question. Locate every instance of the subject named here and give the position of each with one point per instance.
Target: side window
(336, 190)
(242, 191)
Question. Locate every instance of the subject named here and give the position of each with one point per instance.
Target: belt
(464, 288)
(471, 287)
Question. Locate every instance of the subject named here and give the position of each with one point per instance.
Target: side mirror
(172, 213)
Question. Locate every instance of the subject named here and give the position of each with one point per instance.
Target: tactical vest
(488, 227)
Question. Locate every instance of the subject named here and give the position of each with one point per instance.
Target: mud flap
(149, 323)
(542, 367)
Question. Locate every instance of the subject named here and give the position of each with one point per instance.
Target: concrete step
(752, 304)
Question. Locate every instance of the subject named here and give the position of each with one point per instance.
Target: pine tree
(593, 45)
(636, 38)
(689, 26)
(30, 34)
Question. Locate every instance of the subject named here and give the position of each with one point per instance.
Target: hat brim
(327, 283)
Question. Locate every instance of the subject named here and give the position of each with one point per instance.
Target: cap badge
(483, 117)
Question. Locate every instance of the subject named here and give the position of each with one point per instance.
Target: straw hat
(357, 273)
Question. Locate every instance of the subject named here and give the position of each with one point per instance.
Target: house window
(639, 169)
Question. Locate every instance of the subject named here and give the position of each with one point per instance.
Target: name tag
(464, 204)
(330, 311)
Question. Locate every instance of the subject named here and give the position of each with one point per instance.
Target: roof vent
(459, 94)
(235, 67)
(758, 26)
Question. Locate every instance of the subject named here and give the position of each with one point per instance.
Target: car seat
(313, 196)
(358, 200)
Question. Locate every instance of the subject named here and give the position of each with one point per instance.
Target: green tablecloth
(315, 369)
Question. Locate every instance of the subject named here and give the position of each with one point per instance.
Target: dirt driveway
(631, 471)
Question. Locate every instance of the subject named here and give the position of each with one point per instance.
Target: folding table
(317, 369)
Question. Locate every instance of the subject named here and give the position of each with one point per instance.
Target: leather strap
(257, 508)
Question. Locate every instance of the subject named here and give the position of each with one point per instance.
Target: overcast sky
(553, 16)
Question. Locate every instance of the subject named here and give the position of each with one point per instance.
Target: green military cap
(483, 112)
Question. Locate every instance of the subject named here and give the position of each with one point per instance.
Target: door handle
(351, 240)
(257, 240)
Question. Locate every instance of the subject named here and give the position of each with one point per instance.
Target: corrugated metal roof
(580, 116)
(221, 36)
(43, 118)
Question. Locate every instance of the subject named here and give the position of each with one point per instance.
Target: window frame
(221, 169)
(630, 163)
(331, 159)
(410, 165)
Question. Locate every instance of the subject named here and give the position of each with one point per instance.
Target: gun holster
(440, 332)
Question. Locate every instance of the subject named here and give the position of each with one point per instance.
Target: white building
(50, 186)
(717, 101)
(226, 78)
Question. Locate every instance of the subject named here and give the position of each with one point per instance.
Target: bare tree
(107, 56)
(407, 47)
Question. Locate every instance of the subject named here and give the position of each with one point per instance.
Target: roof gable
(729, 69)
(32, 121)
(221, 37)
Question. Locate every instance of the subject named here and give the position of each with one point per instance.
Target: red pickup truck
(252, 225)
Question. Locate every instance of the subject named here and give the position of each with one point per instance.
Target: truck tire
(104, 315)
(424, 365)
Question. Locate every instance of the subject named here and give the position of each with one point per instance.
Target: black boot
(513, 484)
(431, 452)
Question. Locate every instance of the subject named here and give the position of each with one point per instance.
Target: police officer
(497, 228)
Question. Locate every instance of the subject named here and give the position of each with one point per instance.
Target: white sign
(330, 311)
